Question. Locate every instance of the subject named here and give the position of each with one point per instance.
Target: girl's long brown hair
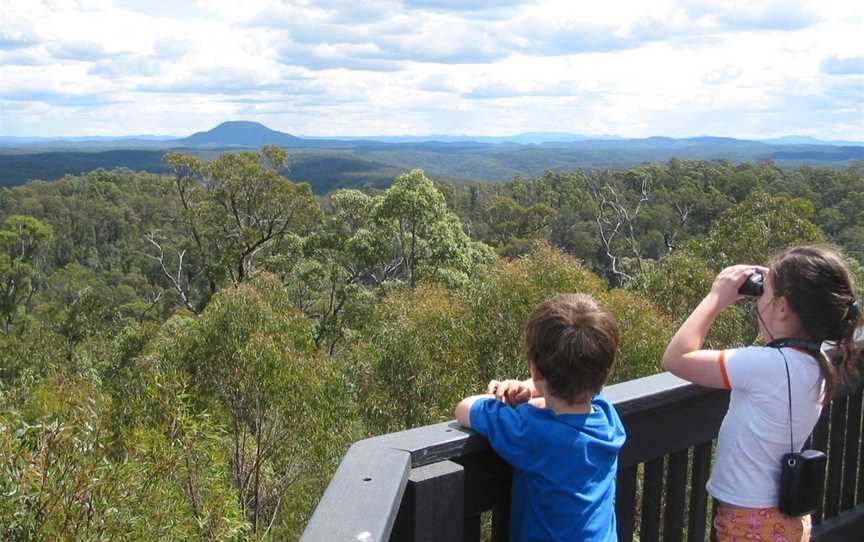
(817, 283)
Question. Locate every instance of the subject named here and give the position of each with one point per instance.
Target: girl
(808, 296)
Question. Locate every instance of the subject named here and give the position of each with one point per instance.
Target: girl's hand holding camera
(727, 284)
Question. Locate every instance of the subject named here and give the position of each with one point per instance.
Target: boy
(563, 444)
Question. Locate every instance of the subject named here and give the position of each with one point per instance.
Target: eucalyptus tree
(235, 208)
(419, 236)
(281, 403)
(759, 226)
(22, 239)
(372, 242)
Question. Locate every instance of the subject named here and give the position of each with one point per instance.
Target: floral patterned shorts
(765, 524)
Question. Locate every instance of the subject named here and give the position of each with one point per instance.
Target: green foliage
(511, 223)
(376, 242)
(418, 230)
(430, 347)
(678, 284)
(758, 227)
(61, 479)
(157, 363)
(645, 332)
(413, 367)
(503, 298)
(22, 239)
(235, 208)
(285, 408)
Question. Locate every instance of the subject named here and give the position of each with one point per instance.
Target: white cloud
(330, 67)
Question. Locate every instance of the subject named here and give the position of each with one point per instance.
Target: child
(809, 297)
(564, 444)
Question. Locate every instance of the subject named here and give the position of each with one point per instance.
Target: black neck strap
(811, 347)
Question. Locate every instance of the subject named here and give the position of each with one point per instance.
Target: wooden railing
(435, 483)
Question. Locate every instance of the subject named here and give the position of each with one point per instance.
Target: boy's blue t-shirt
(563, 468)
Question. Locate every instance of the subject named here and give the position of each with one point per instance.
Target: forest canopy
(187, 356)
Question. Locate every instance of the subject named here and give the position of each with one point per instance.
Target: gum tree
(234, 210)
(22, 239)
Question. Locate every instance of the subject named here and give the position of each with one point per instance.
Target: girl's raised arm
(684, 357)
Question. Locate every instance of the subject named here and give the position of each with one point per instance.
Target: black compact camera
(754, 285)
(802, 479)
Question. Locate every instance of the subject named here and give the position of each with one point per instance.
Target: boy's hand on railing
(510, 392)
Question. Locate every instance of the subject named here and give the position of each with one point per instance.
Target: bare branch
(615, 216)
(176, 281)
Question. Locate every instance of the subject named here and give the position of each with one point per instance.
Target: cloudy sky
(752, 68)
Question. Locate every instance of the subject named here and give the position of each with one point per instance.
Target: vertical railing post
(433, 507)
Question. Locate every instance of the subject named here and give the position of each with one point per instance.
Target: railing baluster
(820, 442)
(652, 497)
(501, 519)
(853, 449)
(698, 494)
(433, 505)
(625, 502)
(473, 529)
(676, 493)
(860, 475)
(487, 488)
(835, 458)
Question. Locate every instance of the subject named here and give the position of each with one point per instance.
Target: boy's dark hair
(816, 282)
(572, 340)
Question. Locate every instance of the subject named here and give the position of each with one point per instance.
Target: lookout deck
(436, 483)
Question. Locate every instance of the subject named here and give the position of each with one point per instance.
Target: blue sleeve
(504, 427)
(617, 432)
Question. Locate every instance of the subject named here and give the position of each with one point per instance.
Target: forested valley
(187, 356)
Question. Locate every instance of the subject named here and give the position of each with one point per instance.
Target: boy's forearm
(529, 383)
(463, 409)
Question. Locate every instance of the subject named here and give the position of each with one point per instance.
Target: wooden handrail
(670, 423)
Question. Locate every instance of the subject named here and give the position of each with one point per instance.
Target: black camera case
(802, 479)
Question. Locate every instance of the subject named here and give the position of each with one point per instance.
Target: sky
(679, 68)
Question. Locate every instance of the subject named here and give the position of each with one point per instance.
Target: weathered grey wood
(501, 519)
(835, 457)
(652, 501)
(676, 488)
(472, 529)
(433, 505)
(686, 420)
(625, 502)
(820, 442)
(487, 479)
(845, 527)
(651, 391)
(362, 500)
(696, 527)
(433, 443)
(853, 450)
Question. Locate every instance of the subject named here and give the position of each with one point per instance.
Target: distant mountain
(527, 138)
(252, 135)
(324, 171)
(332, 163)
(238, 134)
(807, 140)
(18, 140)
